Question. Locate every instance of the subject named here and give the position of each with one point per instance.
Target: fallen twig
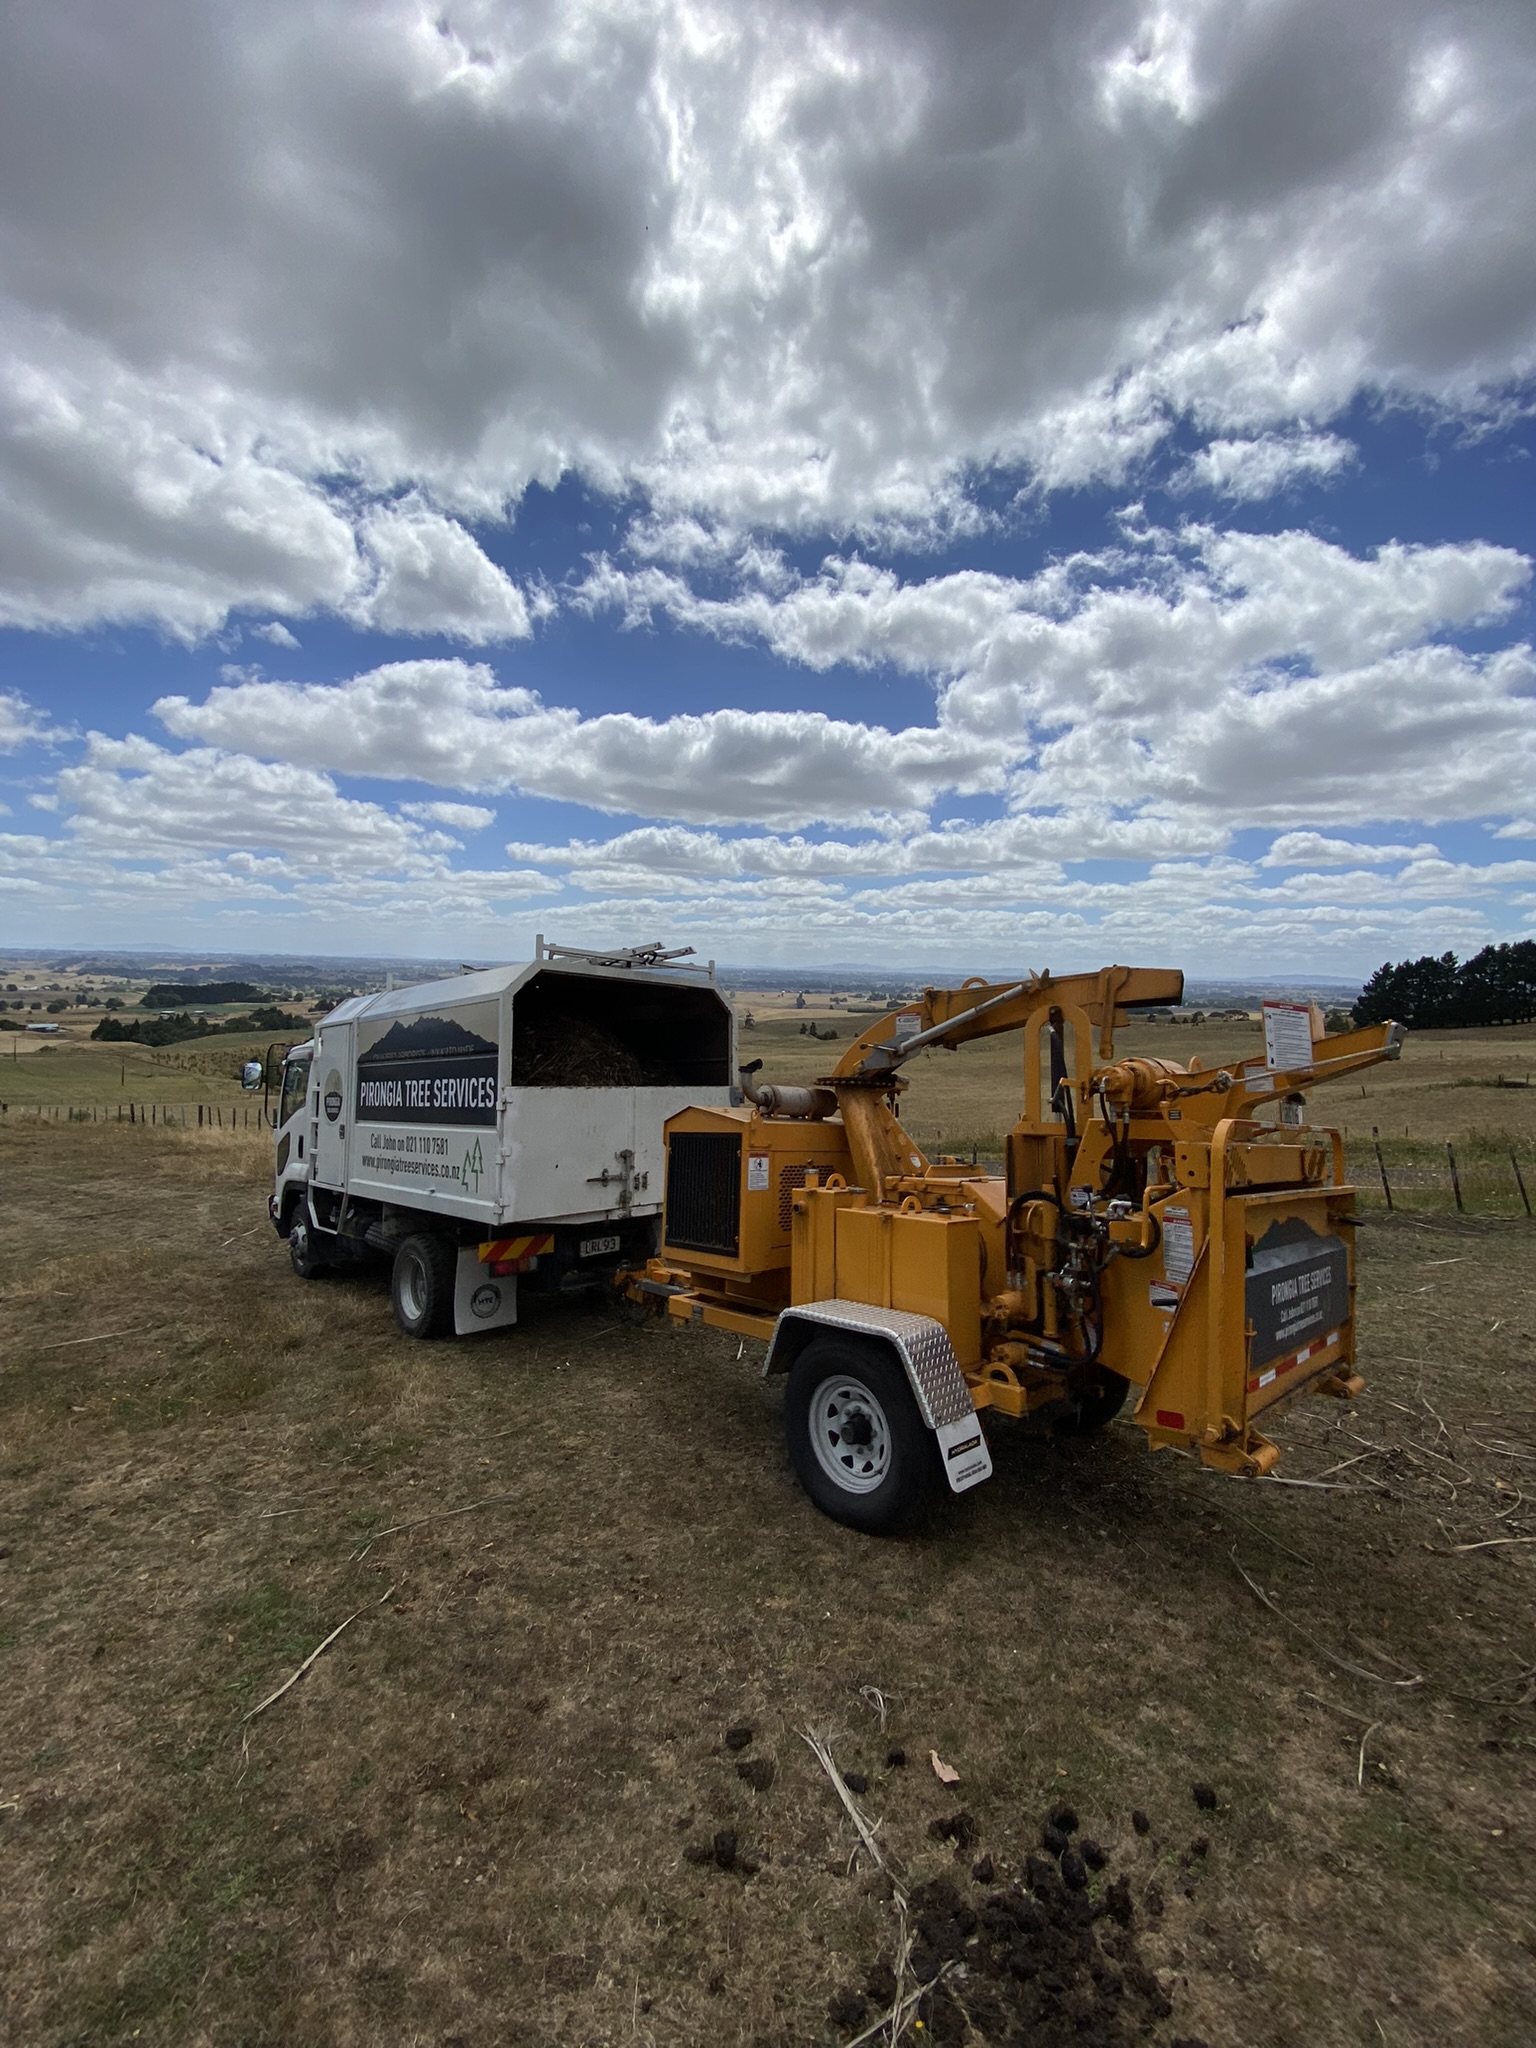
(491, 1500)
(877, 1702)
(319, 1650)
(1344, 1463)
(1360, 1767)
(1334, 1708)
(819, 1749)
(1488, 1543)
(1259, 1530)
(900, 2014)
(100, 1337)
(1322, 1485)
(1355, 1670)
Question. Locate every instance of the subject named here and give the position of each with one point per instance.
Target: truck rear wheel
(856, 1440)
(421, 1286)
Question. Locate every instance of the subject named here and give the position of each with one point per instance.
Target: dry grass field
(470, 1821)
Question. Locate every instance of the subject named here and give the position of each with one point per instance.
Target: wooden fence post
(1381, 1167)
(1519, 1180)
(1450, 1153)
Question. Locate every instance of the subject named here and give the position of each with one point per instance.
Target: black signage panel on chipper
(1297, 1292)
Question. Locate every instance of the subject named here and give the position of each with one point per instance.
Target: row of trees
(173, 1030)
(1496, 986)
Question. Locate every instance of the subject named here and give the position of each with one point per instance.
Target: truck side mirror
(251, 1075)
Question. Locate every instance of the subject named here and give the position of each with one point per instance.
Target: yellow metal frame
(1059, 1276)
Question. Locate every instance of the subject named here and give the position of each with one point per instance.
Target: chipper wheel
(858, 1445)
(421, 1285)
(1098, 1403)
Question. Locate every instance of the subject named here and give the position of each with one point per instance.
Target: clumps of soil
(723, 1852)
(1051, 1960)
(959, 1828)
(739, 1737)
(896, 1757)
(1204, 1797)
(756, 1771)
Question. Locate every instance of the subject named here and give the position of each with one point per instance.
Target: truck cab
(293, 1146)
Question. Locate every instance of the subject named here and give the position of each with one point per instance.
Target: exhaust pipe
(775, 1099)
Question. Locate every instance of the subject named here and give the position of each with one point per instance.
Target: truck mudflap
(482, 1299)
(923, 1346)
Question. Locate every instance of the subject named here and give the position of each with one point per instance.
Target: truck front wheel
(421, 1286)
(858, 1445)
(303, 1253)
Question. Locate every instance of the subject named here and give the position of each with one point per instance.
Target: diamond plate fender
(923, 1346)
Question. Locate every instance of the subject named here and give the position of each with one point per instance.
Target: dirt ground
(496, 1810)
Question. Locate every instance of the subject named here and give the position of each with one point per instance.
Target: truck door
(331, 1095)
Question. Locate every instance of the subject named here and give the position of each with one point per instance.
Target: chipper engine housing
(1153, 1240)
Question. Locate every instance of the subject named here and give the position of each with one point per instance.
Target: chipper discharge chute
(1152, 1241)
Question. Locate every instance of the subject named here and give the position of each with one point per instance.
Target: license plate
(591, 1247)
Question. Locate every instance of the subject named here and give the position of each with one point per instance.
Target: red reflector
(1168, 1418)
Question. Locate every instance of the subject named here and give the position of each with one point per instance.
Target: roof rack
(652, 955)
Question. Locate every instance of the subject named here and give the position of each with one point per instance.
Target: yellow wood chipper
(1151, 1240)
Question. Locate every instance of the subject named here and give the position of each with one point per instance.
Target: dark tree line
(1496, 986)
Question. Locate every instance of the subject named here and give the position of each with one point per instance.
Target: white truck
(502, 1123)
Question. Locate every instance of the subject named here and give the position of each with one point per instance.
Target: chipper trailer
(1152, 1240)
(500, 1126)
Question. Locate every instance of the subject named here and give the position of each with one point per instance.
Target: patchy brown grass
(467, 1822)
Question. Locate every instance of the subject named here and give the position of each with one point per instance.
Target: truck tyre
(857, 1442)
(304, 1255)
(421, 1286)
(1098, 1403)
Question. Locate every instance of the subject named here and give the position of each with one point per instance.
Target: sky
(973, 488)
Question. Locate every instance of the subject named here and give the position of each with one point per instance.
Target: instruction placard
(1178, 1247)
(1287, 1036)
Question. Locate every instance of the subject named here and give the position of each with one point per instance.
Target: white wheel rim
(413, 1288)
(850, 1434)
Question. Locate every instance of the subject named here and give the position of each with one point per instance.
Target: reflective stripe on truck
(515, 1254)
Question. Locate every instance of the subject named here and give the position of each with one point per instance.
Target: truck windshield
(295, 1086)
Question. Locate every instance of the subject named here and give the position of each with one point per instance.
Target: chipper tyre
(1098, 1404)
(857, 1442)
(421, 1286)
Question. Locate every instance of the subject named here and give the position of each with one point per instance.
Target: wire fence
(184, 1116)
(1474, 1176)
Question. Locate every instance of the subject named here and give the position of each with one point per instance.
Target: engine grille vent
(790, 1179)
(703, 1209)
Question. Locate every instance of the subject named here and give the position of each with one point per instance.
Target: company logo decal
(434, 1069)
(485, 1301)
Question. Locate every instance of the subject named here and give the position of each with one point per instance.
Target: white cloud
(275, 632)
(1266, 465)
(1181, 686)
(768, 264)
(1312, 849)
(20, 722)
(430, 576)
(457, 817)
(1517, 828)
(448, 722)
